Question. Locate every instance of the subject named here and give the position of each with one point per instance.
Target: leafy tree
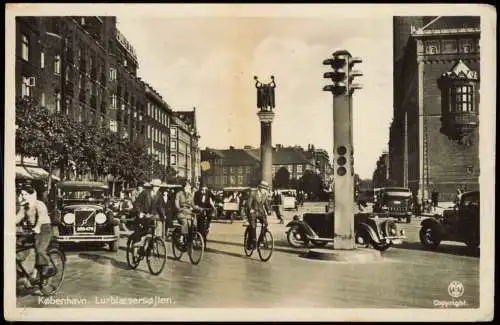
(282, 178)
(311, 182)
(52, 137)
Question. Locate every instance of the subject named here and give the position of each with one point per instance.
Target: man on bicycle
(258, 206)
(145, 206)
(33, 216)
(203, 199)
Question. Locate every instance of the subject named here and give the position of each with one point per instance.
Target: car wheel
(294, 237)
(429, 238)
(381, 247)
(362, 239)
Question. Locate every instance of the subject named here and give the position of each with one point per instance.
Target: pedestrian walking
(276, 203)
(435, 198)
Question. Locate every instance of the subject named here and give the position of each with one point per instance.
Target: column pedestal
(266, 146)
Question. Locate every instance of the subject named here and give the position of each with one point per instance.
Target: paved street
(406, 277)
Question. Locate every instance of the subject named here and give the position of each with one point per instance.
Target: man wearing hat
(259, 207)
(203, 199)
(145, 206)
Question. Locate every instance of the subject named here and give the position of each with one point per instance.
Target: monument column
(265, 103)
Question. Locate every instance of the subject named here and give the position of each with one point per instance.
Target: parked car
(459, 224)
(317, 228)
(394, 202)
(84, 214)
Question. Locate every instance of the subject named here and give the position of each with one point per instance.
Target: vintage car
(84, 214)
(230, 208)
(289, 199)
(317, 228)
(394, 202)
(459, 224)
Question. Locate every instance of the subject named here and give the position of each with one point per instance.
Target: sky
(209, 63)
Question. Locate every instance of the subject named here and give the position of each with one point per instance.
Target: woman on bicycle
(184, 205)
(33, 216)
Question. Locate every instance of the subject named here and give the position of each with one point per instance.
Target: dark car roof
(82, 185)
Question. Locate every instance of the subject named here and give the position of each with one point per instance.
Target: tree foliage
(282, 178)
(57, 140)
(311, 182)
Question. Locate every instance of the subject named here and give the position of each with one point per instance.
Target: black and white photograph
(276, 162)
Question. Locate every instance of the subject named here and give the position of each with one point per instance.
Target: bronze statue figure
(265, 94)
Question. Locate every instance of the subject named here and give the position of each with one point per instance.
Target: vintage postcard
(280, 162)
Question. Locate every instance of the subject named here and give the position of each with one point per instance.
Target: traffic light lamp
(341, 160)
(339, 76)
(352, 74)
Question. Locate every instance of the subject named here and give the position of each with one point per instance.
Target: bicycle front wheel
(58, 262)
(156, 255)
(248, 252)
(132, 255)
(265, 246)
(196, 248)
(177, 246)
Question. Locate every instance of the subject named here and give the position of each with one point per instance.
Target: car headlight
(100, 218)
(402, 232)
(384, 207)
(69, 218)
(393, 231)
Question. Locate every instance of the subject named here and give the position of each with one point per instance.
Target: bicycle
(153, 248)
(50, 284)
(265, 243)
(193, 242)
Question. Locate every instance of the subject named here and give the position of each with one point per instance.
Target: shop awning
(31, 172)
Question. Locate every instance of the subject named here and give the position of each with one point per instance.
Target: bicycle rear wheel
(265, 246)
(196, 248)
(58, 262)
(248, 252)
(132, 256)
(156, 255)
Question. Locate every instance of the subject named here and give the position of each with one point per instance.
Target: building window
(113, 126)
(249, 169)
(224, 179)
(240, 169)
(25, 49)
(461, 99)
(112, 74)
(58, 102)
(173, 145)
(449, 46)
(240, 179)
(42, 100)
(173, 132)
(26, 88)
(232, 180)
(173, 159)
(466, 45)
(431, 47)
(224, 170)
(299, 168)
(57, 64)
(42, 60)
(114, 101)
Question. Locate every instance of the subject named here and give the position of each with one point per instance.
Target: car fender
(433, 223)
(304, 227)
(369, 231)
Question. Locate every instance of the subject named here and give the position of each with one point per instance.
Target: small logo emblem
(456, 289)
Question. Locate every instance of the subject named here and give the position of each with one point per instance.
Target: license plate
(85, 229)
(396, 202)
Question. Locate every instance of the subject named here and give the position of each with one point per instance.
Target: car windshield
(396, 196)
(90, 195)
